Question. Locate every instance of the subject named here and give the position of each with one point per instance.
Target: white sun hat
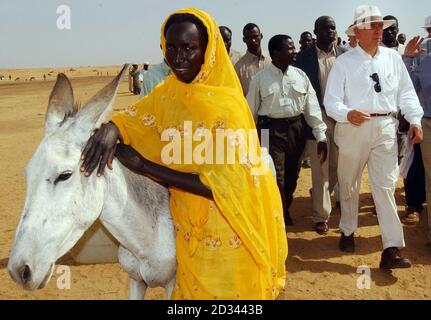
(427, 22)
(364, 16)
(349, 31)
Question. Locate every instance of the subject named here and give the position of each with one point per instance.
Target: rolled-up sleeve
(335, 93)
(407, 98)
(313, 114)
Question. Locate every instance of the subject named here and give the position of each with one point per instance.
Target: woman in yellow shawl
(230, 237)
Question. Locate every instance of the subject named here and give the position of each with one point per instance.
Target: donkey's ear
(60, 105)
(94, 112)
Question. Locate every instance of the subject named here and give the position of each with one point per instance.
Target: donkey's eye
(63, 177)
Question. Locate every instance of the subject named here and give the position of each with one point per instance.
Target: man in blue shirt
(420, 73)
(153, 77)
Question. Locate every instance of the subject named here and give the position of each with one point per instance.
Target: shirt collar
(277, 71)
(394, 48)
(250, 55)
(321, 52)
(364, 54)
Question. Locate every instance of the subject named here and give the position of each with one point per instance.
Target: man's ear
(356, 31)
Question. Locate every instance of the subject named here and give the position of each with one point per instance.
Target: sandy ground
(37, 74)
(316, 269)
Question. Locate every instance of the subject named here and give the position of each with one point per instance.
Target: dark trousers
(136, 90)
(287, 138)
(414, 185)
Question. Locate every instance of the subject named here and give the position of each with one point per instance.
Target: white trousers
(374, 144)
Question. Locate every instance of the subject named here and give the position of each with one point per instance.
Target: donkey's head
(61, 204)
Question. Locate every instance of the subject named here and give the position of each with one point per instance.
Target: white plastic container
(97, 245)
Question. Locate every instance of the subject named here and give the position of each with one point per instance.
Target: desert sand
(316, 268)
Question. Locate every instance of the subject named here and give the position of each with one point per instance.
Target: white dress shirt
(281, 95)
(350, 86)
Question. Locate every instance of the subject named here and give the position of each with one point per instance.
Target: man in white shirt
(143, 72)
(283, 101)
(364, 88)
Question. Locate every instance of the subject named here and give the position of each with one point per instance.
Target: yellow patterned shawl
(250, 203)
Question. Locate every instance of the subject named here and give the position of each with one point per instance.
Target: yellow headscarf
(214, 100)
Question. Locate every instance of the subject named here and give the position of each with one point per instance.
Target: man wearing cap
(426, 45)
(143, 72)
(153, 77)
(364, 88)
(421, 77)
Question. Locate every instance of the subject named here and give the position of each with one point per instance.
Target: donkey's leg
(169, 288)
(137, 289)
(130, 264)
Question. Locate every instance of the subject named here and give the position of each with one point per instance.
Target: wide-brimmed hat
(364, 16)
(427, 22)
(349, 31)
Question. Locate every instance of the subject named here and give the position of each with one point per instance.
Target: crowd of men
(364, 103)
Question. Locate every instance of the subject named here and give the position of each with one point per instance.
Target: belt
(291, 119)
(374, 115)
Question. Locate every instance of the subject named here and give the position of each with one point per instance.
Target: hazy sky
(108, 32)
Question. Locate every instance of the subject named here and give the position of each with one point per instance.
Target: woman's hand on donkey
(100, 149)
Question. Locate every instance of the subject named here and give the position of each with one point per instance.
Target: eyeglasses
(376, 79)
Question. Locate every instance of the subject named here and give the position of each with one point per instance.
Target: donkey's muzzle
(25, 274)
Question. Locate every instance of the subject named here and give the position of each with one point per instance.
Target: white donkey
(61, 204)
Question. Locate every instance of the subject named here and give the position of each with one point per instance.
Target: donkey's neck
(134, 209)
